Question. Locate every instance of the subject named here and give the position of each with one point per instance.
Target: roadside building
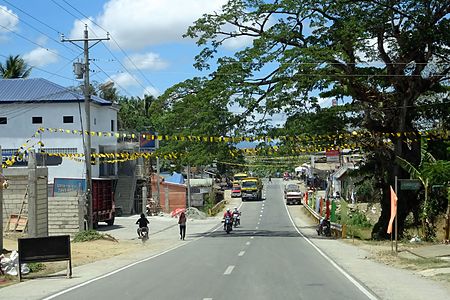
(29, 104)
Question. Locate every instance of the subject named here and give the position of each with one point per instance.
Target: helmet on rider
(228, 209)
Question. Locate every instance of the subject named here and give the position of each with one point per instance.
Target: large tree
(196, 108)
(384, 55)
(14, 67)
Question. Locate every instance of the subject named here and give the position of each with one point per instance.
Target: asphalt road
(265, 258)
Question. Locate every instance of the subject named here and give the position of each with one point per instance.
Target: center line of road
(260, 215)
(248, 243)
(241, 253)
(228, 270)
(256, 227)
(252, 237)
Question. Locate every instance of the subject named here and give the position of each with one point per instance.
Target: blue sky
(149, 32)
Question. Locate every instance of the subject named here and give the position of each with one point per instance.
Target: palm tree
(15, 67)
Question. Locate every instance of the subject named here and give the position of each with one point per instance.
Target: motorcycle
(143, 234)
(236, 219)
(228, 225)
(324, 228)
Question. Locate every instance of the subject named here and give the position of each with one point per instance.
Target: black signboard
(45, 249)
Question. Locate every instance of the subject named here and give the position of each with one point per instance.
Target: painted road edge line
(215, 228)
(241, 253)
(360, 287)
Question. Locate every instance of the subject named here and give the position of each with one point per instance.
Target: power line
(120, 48)
(41, 32)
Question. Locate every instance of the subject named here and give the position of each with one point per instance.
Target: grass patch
(36, 267)
(92, 235)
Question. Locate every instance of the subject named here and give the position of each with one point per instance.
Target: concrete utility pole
(158, 188)
(188, 177)
(87, 99)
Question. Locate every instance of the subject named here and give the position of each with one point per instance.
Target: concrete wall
(15, 194)
(41, 203)
(65, 216)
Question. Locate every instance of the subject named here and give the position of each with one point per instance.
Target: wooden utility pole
(87, 108)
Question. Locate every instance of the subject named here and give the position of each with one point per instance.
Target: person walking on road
(182, 223)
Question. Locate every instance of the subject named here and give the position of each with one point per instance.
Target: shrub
(91, 235)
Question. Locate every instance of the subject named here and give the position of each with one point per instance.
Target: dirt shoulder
(82, 253)
(432, 267)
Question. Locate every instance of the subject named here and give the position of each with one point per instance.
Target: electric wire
(120, 48)
(41, 32)
(33, 42)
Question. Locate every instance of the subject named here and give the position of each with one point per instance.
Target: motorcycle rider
(227, 214)
(236, 213)
(143, 224)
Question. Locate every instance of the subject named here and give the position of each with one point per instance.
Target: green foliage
(135, 114)
(91, 235)
(36, 267)
(15, 67)
(359, 219)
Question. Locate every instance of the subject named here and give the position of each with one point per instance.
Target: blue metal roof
(40, 90)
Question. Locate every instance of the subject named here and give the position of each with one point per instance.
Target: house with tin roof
(29, 104)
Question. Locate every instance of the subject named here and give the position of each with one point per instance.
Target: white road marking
(248, 243)
(260, 215)
(207, 298)
(259, 223)
(364, 290)
(256, 227)
(228, 270)
(241, 253)
(130, 265)
(252, 237)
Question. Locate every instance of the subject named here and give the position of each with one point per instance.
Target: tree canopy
(14, 67)
(384, 56)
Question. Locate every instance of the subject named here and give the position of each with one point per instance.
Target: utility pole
(188, 177)
(87, 108)
(158, 188)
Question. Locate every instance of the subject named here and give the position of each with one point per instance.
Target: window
(67, 119)
(95, 121)
(36, 120)
(3, 120)
(112, 125)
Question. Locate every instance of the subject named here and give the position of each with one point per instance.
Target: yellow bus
(239, 176)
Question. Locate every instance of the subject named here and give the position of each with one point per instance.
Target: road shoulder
(385, 281)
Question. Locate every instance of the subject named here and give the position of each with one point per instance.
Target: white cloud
(78, 28)
(41, 57)
(135, 24)
(325, 102)
(8, 19)
(147, 61)
(150, 90)
(123, 80)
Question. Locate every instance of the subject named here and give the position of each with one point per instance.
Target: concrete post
(166, 196)
(32, 194)
(1, 202)
(144, 199)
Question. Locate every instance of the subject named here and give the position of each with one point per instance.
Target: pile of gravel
(194, 213)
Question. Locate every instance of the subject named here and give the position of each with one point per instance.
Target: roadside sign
(410, 184)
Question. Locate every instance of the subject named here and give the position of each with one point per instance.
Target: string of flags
(313, 143)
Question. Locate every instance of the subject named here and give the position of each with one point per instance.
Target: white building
(29, 104)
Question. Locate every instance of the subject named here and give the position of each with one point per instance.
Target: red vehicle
(103, 208)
